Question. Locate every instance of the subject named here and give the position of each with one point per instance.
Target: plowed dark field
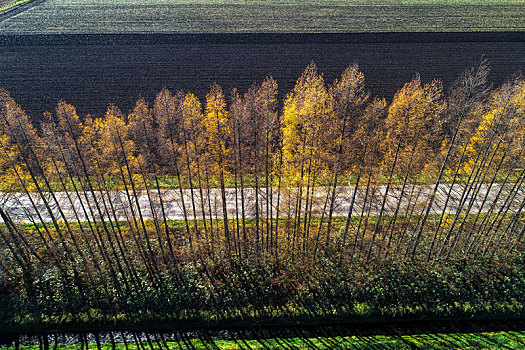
(95, 71)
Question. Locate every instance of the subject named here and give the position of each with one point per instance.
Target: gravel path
(83, 205)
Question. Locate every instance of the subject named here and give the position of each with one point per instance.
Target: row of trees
(158, 206)
(281, 175)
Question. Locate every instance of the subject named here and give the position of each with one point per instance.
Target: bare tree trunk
(392, 223)
(369, 254)
(443, 212)
(502, 213)
(363, 208)
(348, 219)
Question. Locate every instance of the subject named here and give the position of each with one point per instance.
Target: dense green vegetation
(214, 16)
(261, 237)
(472, 340)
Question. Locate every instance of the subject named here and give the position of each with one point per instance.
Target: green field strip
(11, 5)
(176, 16)
(481, 340)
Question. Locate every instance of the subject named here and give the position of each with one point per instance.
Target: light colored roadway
(19, 207)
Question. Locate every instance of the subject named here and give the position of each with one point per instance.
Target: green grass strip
(11, 5)
(484, 340)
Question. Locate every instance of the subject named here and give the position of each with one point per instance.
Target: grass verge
(11, 5)
(463, 340)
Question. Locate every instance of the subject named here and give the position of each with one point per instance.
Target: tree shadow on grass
(502, 334)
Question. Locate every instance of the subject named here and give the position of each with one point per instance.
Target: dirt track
(20, 207)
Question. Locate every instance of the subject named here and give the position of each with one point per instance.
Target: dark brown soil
(90, 74)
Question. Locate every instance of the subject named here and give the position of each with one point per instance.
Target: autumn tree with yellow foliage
(307, 130)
